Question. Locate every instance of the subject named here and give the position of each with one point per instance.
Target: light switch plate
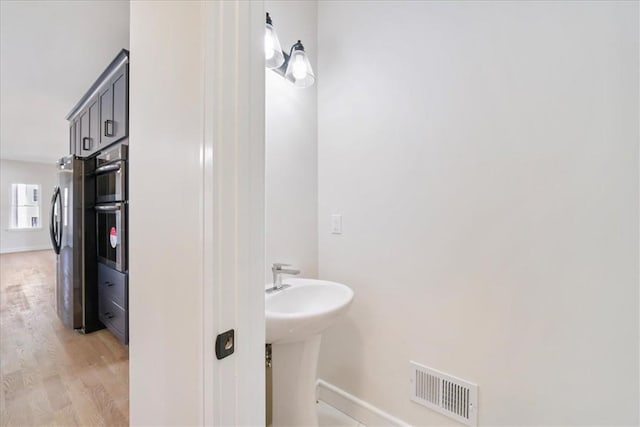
(336, 224)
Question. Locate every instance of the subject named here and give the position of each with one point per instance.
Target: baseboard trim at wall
(356, 408)
(24, 249)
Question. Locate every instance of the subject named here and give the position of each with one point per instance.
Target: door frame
(197, 232)
(234, 210)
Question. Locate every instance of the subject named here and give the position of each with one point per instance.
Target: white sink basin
(305, 308)
(296, 317)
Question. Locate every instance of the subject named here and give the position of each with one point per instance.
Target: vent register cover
(444, 393)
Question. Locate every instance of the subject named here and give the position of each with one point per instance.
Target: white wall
(484, 156)
(291, 148)
(165, 260)
(16, 172)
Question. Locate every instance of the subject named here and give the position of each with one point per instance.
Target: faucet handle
(279, 265)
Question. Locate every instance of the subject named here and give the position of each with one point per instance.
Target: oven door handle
(109, 208)
(108, 168)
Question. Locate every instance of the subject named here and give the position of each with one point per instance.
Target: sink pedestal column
(294, 382)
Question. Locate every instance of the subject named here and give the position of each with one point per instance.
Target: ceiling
(50, 53)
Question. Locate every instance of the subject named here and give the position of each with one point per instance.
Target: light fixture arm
(296, 46)
(281, 70)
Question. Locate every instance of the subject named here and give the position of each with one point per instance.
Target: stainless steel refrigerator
(73, 236)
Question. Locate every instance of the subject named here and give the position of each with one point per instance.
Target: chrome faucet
(278, 271)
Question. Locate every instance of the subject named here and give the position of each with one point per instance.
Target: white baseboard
(356, 408)
(25, 249)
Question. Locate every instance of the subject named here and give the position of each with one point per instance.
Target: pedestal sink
(296, 316)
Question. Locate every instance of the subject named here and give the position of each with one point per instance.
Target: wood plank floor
(52, 375)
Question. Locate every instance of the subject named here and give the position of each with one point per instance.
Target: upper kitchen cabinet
(88, 126)
(101, 117)
(74, 147)
(113, 108)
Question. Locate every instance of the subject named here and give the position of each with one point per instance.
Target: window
(25, 206)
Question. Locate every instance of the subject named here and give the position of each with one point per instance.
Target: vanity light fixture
(274, 57)
(294, 67)
(299, 71)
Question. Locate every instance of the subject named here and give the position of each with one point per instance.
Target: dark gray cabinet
(83, 128)
(73, 137)
(113, 304)
(94, 128)
(114, 108)
(89, 129)
(106, 116)
(101, 117)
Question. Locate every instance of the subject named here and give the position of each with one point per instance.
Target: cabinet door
(120, 105)
(78, 139)
(88, 121)
(72, 137)
(83, 133)
(114, 108)
(94, 125)
(106, 115)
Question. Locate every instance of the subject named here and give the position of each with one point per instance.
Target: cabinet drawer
(114, 317)
(112, 285)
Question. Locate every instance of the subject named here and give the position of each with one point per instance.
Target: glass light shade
(272, 49)
(299, 71)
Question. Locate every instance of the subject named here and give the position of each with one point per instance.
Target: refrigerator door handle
(55, 229)
(60, 225)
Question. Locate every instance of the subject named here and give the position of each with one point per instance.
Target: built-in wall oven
(111, 219)
(111, 206)
(111, 175)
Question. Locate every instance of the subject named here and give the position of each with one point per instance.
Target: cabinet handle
(86, 143)
(109, 284)
(109, 315)
(108, 128)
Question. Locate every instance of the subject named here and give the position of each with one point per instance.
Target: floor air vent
(446, 394)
